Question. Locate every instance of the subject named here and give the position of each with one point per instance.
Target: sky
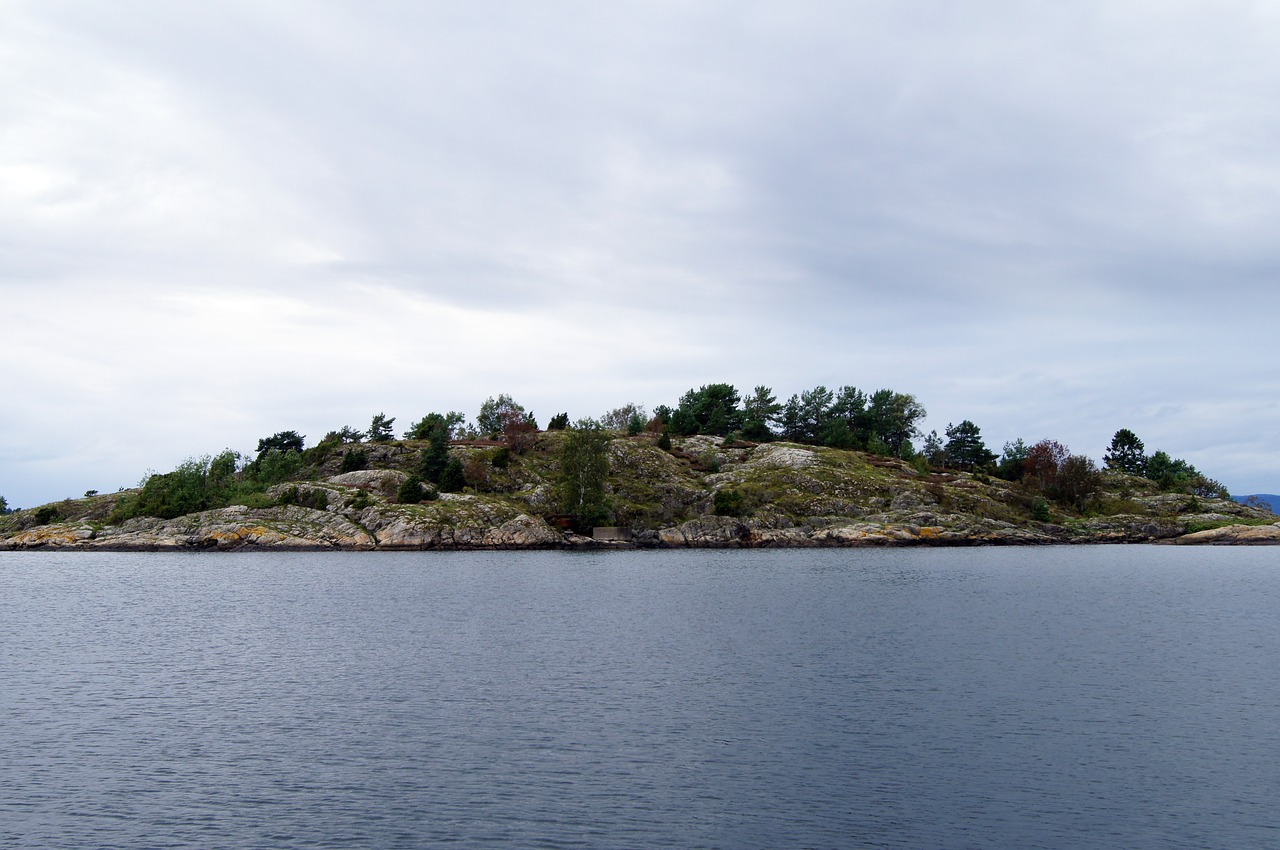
(223, 220)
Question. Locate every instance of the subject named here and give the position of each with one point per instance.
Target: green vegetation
(1126, 454)
(584, 469)
(380, 428)
(354, 460)
(411, 491)
(283, 441)
(434, 424)
(452, 478)
(965, 449)
(198, 484)
(346, 434)
(824, 456)
(313, 498)
(729, 503)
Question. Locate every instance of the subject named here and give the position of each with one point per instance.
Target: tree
(1066, 478)
(892, 417)
(849, 408)
(1010, 466)
(558, 422)
(452, 478)
(1126, 453)
(4, 505)
(490, 419)
(346, 434)
(380, 428)
(410, 492)
(934, 452)
(285, 441)
(435, 457)
(519, 430)
(620, 418)
(636, 424)
(965, 449)
(710, 409)
(814, 407)
(1040, 466)
(1078, 480)
(353, 460)
(584, 469)
(760, 411)
(274, 466)
(427, 425)
(790, 420)
(1177, 475)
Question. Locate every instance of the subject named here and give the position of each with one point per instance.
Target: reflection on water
(1095, 696)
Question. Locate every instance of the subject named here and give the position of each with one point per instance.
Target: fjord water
(1047, 697)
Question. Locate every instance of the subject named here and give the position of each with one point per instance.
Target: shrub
(47, 514)
(475, 471)
(354, 460)
(410, 492)
(316, 499)
(273, 467)
(1040, 510)
(729, 503)
(452, 478)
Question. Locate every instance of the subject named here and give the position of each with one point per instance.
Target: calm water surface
(1055, 697)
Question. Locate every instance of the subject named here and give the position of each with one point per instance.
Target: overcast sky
(222, 220)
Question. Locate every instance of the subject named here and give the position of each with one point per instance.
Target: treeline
(883, 422)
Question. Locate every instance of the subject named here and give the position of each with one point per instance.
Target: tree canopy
(1126, 453)
(965, 449)
(497, 413)
(285, 441)
(427, 426)
(584, 469)
(380, 428)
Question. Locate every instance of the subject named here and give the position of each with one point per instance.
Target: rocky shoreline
(294, 528)
(804, 497)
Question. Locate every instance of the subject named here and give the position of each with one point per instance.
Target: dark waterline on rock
(1043, 697)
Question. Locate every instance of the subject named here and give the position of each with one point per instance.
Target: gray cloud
(219, 221)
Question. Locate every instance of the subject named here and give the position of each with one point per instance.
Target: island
(588, 485)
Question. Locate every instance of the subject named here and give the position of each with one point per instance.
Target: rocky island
(658, 491)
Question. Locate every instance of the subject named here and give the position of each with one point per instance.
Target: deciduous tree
(584, 469)
(495, 412)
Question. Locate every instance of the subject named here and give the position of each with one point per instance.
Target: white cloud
(221, 221)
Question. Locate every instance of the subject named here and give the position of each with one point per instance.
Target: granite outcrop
(786, 495)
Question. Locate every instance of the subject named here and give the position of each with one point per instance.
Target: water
(1059, 697)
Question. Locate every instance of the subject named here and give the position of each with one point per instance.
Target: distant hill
(1272, 500)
